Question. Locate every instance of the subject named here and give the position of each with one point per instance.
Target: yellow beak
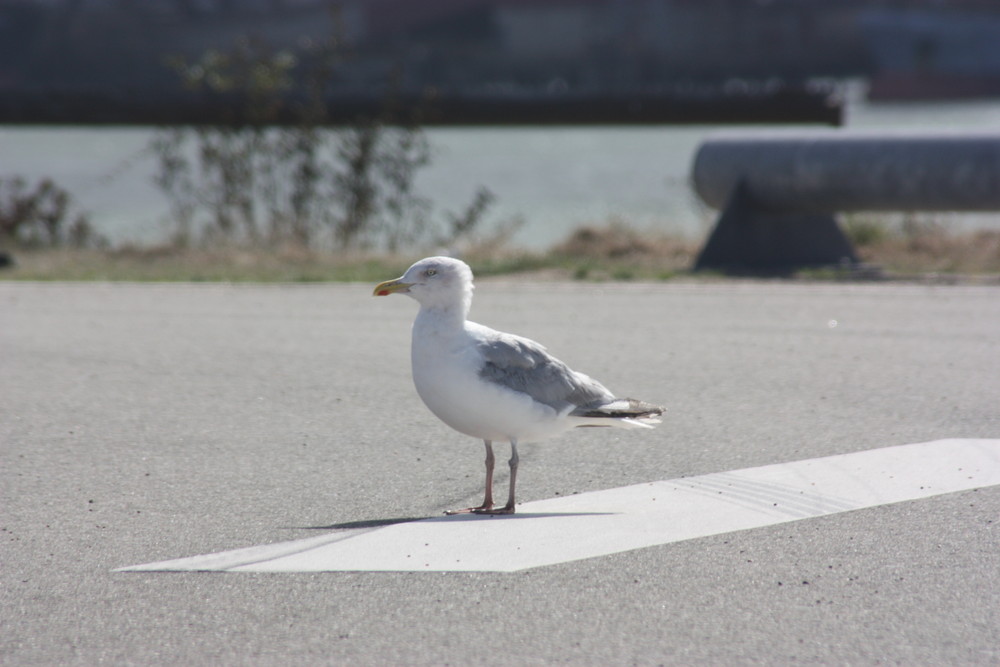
(390, 286)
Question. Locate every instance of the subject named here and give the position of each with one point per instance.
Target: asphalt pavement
(141, 423)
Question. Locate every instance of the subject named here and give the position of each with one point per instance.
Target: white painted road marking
(559, 530)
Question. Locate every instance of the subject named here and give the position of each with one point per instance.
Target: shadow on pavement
(378, 523)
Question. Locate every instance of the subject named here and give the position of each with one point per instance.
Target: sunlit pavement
(144, 423)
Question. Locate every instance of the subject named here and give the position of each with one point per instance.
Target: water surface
(554, 179)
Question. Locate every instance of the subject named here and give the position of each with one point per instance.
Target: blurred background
(544, 115)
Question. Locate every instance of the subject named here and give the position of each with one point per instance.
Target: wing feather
(522, 365)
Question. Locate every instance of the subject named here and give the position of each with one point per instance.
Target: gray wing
(523, 365)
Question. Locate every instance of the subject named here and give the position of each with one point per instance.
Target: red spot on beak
(384, 292)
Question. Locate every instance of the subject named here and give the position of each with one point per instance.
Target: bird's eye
(430, 272)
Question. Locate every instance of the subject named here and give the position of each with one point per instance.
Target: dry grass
(619, 252)
(613, 251)
(198, 265)
(934, 250)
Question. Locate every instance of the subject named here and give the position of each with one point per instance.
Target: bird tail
(622, 412)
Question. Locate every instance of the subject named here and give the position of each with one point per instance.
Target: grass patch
(619, 252)
(923, 245)
(910, 248)
(167, 264)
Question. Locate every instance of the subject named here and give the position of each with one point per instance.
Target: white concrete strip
(571, 528)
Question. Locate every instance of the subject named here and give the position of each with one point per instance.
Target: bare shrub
(260, 182)
(42, 216)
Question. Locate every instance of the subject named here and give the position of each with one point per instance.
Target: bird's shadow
(522, 515)
(365, 523)
(379, 523)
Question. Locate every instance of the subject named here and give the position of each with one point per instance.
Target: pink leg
(509, 507)
(488, 498)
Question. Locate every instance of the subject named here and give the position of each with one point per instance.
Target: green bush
(865, 231)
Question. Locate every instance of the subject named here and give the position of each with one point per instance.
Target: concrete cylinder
(828, 171)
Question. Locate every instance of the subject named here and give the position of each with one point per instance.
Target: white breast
(446, 374)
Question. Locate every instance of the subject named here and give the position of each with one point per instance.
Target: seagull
(492, 385)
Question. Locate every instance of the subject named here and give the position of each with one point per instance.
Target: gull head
(435, 282)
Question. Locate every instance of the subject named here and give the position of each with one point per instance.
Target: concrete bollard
(779, 190)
